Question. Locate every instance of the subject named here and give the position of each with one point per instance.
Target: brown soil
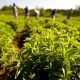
(20, 37)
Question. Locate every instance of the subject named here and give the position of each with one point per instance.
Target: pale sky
(58, 4)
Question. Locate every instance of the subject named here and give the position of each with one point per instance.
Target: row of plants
(8, 55)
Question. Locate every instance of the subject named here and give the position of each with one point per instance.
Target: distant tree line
(8, 11)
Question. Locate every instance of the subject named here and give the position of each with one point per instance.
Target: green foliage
(8, 55)
(55, 49)
(50, 52)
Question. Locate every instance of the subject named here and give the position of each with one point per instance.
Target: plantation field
(39, 49)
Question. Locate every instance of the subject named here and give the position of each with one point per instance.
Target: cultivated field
(39, 49)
